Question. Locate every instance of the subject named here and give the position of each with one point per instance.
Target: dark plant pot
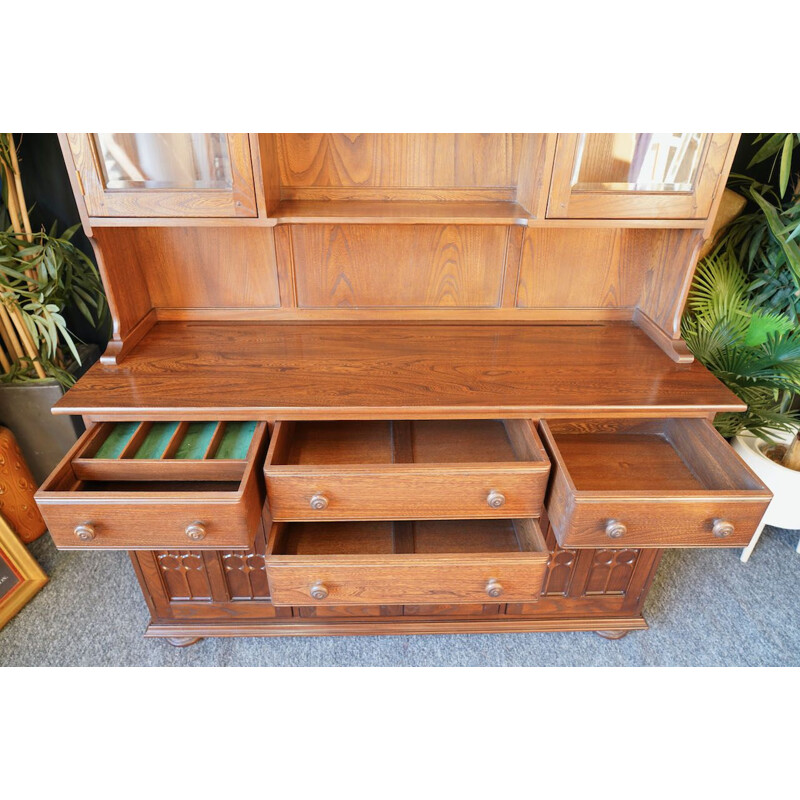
(25, 409)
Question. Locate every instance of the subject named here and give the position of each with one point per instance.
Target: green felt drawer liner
(156, 441)
(116, 440)
(236, 440)
(196, 441)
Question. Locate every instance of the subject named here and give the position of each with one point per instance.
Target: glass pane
(637, 162)
(164, 160)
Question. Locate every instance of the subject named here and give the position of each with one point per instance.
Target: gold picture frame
(20, 573)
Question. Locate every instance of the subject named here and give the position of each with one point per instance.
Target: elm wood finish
(213, 321)
(239, 268)
(415, 266)
(397, 166)
(111, 512)
(239, 201)
(567, 201)
(653, 483)
(363, 563)
(405, 470)
(394, 371)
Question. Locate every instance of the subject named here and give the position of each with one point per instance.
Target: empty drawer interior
(417, 442)
(662, 455)
(422, 537)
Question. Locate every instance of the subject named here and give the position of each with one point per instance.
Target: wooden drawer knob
(85, 531)
(319, 502)
(495, 499)
(319, 591)
(494, 588)
(616, 529)
(196, 531)
(722, 528)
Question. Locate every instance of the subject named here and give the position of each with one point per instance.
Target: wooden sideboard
(398, 383)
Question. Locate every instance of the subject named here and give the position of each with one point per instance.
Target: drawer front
(138, 524)
(649, 483)
(657, 523)
(416, 580)
(406, 495)
(401, 563)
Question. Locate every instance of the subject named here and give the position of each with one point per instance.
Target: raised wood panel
(607, 268)
(565, 268)
(200, 267)
(358, 266)
(398, 160)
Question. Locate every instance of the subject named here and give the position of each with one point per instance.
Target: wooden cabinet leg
(183, 641)
(618, 634)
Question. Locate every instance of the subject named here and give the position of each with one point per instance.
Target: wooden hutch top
(336, 276)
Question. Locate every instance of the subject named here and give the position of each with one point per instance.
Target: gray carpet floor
(706, 608)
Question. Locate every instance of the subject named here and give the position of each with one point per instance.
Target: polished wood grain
(239, 201)
(405, 160)
(153, 511)
(238, 267)
(566, 201)
(607, 268)
(413, 470)
(394, 371)
(391, 300)
(381, 265)
(466, 561)
(651, 483)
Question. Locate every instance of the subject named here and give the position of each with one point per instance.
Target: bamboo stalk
(16, 348)
(14, 213)
(27, 342)
(4, 362)
(20, 193)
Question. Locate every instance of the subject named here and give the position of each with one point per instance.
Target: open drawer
(431, 561)
(423, 469)
(158, 485)
(649, 483)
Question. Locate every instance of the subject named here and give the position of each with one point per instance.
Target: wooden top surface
(252, 370)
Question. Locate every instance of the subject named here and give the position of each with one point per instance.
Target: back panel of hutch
(382, 383)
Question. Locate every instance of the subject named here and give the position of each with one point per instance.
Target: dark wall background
(48, 191)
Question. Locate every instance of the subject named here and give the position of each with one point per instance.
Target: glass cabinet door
(165, 174)
(636, 175)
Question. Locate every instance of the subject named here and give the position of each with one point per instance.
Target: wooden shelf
(399, 212)
(251, 370)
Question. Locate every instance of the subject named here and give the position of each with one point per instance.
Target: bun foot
(618, 634)
(183, 641)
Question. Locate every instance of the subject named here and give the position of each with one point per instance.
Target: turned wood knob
(85, 531)
(319, 502)
(494, 588)
(196, 531)
(495, 499)
(722, 528)
(616, 529)
(319, 591)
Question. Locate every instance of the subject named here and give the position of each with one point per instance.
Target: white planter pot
(784, 483)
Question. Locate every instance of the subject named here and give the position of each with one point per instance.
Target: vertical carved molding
(611, 571)
(184, 574)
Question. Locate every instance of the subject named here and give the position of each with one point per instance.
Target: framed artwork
(20, 576)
